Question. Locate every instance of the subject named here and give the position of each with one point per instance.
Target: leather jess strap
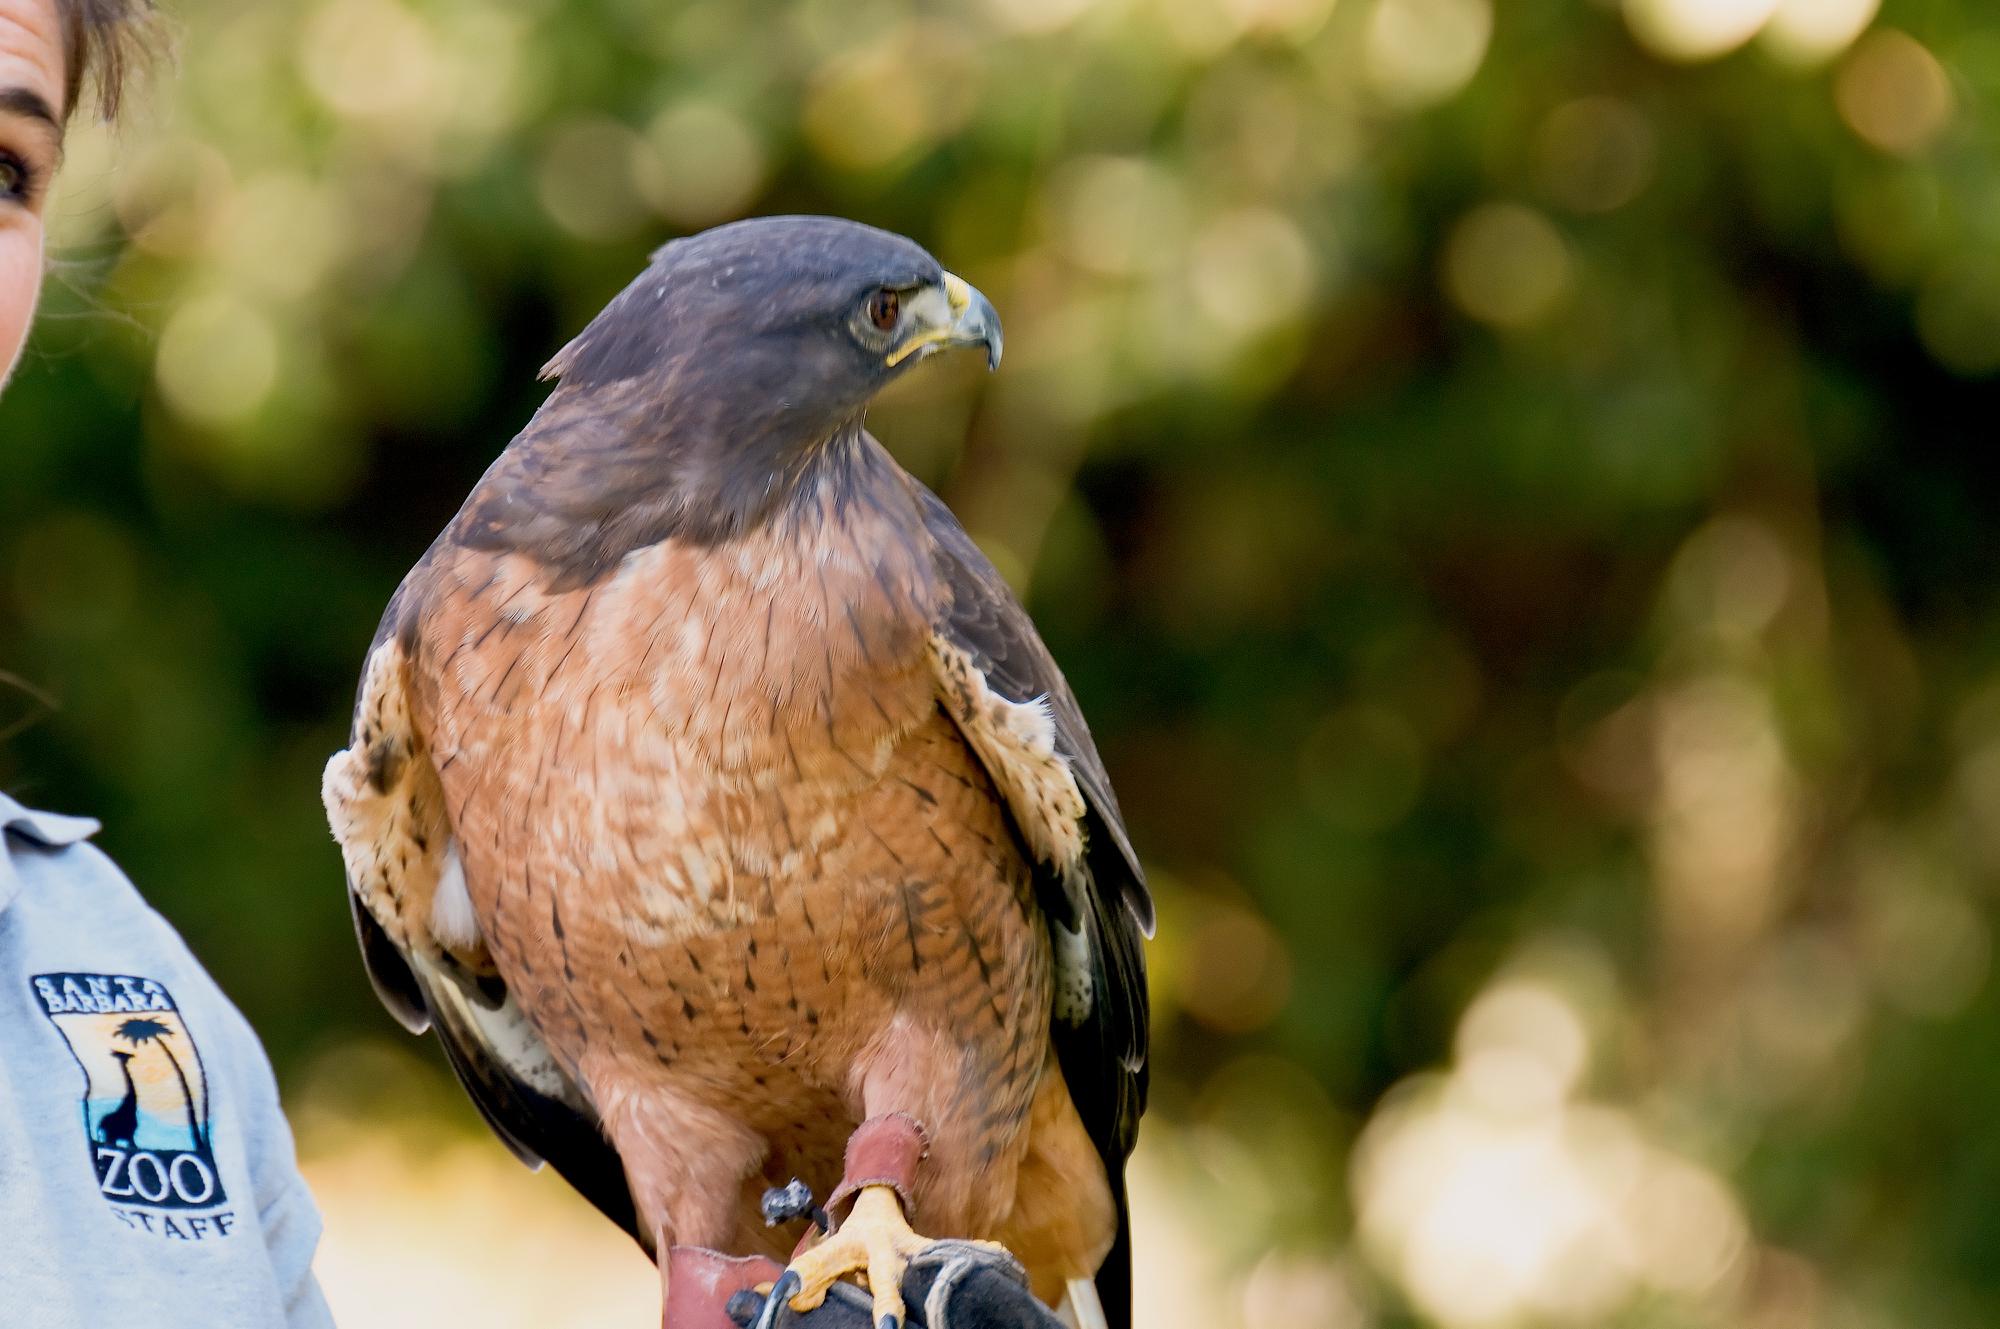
(883, 1151)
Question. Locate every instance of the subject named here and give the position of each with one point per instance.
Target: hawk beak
(974, 320)
(966, 319)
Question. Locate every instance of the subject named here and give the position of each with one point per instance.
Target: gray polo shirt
(146, 1171)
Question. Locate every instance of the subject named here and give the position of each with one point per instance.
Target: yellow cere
(957, 293)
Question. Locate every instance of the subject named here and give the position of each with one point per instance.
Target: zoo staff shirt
(146, 1172)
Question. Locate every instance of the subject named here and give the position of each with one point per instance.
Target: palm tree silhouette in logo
(139, 1032)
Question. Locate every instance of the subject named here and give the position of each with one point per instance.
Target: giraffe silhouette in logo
(116, 1127)
(141, 1032)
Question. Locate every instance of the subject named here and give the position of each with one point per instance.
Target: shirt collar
(49, 829)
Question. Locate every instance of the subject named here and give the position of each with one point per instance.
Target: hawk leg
(875, 1239)
(698, 1283)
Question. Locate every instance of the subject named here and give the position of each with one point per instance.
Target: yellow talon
(876, 1243)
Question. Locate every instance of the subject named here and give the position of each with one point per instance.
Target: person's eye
(884, 308)
(17, 179)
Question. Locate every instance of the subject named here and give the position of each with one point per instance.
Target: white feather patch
(452, 920)
(1076, 992)
(505, 1034)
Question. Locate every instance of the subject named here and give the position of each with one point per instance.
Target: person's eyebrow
(31, 105)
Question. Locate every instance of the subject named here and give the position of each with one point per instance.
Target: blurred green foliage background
(1506, 480)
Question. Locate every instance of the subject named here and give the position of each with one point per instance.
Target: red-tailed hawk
(718, 806)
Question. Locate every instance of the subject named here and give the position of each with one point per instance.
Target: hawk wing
(1010, 700)
(419, 940)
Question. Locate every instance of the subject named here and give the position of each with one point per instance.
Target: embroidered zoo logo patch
(145, 1100)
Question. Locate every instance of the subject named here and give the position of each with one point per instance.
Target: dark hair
(102, 39)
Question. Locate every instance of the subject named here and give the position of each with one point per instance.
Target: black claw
(890, 1322)
(744, 1307)
(782, 1292)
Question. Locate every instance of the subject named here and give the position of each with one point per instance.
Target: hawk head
(797, 321)
(710, 389)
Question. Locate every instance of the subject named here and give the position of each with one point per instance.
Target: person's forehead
(31, 48)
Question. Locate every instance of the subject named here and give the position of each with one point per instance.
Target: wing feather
(387, 810)
(1094, 889)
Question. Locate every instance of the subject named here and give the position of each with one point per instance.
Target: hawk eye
(884, 308)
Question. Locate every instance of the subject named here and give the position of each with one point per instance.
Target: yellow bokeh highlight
(871, 106)
(1252, 269)
(1417, 53)
(1596, 154)
(171, 196)
(218, 360)
(281, 233)
(1696, 29)
(1038, 16)
(588, 180)
(710, 163)
(1506, 265)
(1893, 93)
(1811, 32)
(370, 59)
(1494, 1194)
(1118, 215)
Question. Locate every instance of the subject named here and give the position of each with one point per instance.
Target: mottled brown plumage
(711, 794)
